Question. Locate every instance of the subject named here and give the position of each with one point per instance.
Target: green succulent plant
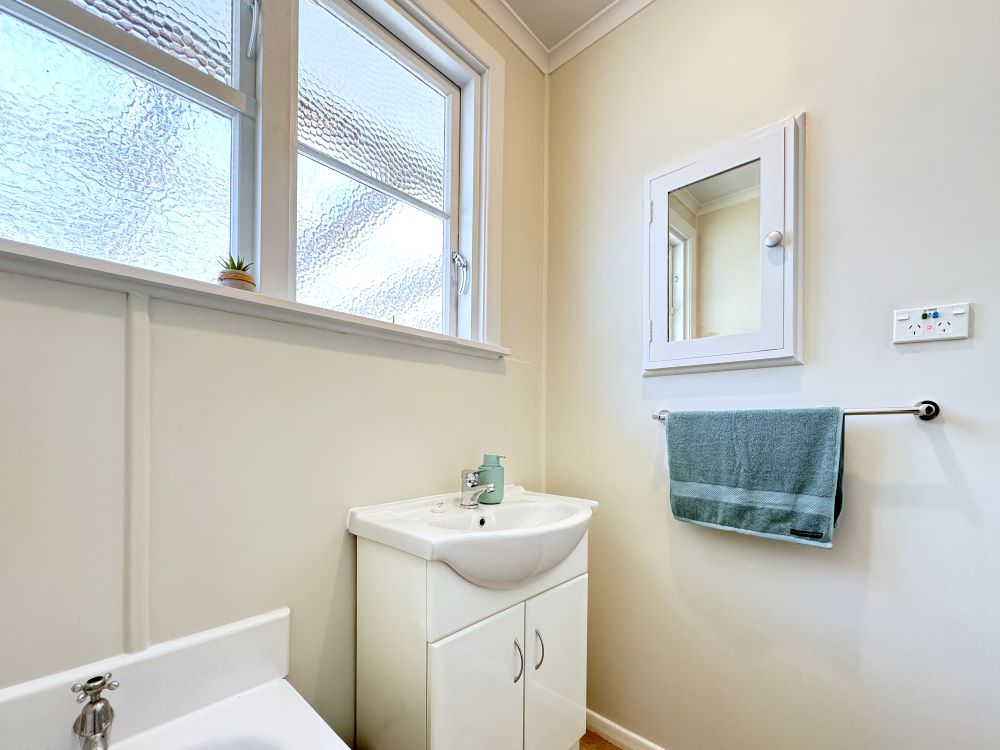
(235, 264)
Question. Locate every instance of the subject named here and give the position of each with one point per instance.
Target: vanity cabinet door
(555, 705)
(476, 683)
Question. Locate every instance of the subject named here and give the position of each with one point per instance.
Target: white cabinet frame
(778, 341)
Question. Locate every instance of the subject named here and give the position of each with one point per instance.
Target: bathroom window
(126, 153)
(162, 135)
(378, 177)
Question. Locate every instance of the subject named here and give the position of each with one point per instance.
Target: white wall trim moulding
(159, 684)
(138, 470)
(618, 735)
(547, 59)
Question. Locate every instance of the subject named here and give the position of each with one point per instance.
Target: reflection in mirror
(714, 255)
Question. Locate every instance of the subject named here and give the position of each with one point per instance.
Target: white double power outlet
(931, 323)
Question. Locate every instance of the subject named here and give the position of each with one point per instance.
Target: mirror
(714, 255)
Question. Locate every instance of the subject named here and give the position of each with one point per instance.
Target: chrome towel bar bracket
(925, 410)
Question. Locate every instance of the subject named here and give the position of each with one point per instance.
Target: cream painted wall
(263, 435)
(728, 275)
(701, 640)
(62, 467)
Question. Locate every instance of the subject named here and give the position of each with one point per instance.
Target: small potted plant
(236, 274)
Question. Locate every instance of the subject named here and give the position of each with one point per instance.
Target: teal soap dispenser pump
(491, 472)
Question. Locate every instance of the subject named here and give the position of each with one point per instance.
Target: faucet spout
(472, 490)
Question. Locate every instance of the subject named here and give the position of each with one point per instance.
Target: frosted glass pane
(362, 107)
(365, 253)
(199, 32)
(96, 161)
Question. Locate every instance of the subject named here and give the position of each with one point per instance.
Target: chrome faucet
(472, 489)
(93, 726)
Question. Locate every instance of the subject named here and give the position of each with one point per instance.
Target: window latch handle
(463, 272)
(254, 6)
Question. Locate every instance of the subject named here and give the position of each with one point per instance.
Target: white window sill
(30, 260)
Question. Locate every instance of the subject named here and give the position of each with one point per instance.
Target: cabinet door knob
(520, 653)
(538, 634)
(773, 239)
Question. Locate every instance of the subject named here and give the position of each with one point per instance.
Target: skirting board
(617, 735)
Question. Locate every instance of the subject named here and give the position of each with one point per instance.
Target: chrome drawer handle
(541, 640)
(520, 653)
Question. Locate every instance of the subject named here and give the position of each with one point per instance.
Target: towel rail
(925, 410)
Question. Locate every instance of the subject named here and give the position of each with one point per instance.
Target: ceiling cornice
(548, 59)
(517, 31)
(599, 25)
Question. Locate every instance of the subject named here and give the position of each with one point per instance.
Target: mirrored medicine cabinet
(723, 256)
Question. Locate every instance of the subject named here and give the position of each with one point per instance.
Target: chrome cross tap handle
(93, 726)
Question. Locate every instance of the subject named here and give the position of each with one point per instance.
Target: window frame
(447, 42)
(264, 179)
(455, 170)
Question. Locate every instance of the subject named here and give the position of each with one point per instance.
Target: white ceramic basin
(269, 717)
(494, 546)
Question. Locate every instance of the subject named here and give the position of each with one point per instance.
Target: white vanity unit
(472, 623)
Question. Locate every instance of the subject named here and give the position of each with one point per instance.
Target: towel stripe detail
(758, 498)
(806, 519)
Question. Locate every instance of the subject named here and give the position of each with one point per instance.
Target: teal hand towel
(774, 473)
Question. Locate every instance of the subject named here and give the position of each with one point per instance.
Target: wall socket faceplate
(931, 323)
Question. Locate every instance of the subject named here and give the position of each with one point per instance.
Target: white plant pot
(237, 280)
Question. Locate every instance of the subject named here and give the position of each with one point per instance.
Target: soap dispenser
(491, 472)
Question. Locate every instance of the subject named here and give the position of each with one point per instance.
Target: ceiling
(726, 184)
(551, 32)
(554, 20)
(721, 190)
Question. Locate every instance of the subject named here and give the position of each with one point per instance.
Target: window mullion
(277, 97)
(244, 162)
(243, 190)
